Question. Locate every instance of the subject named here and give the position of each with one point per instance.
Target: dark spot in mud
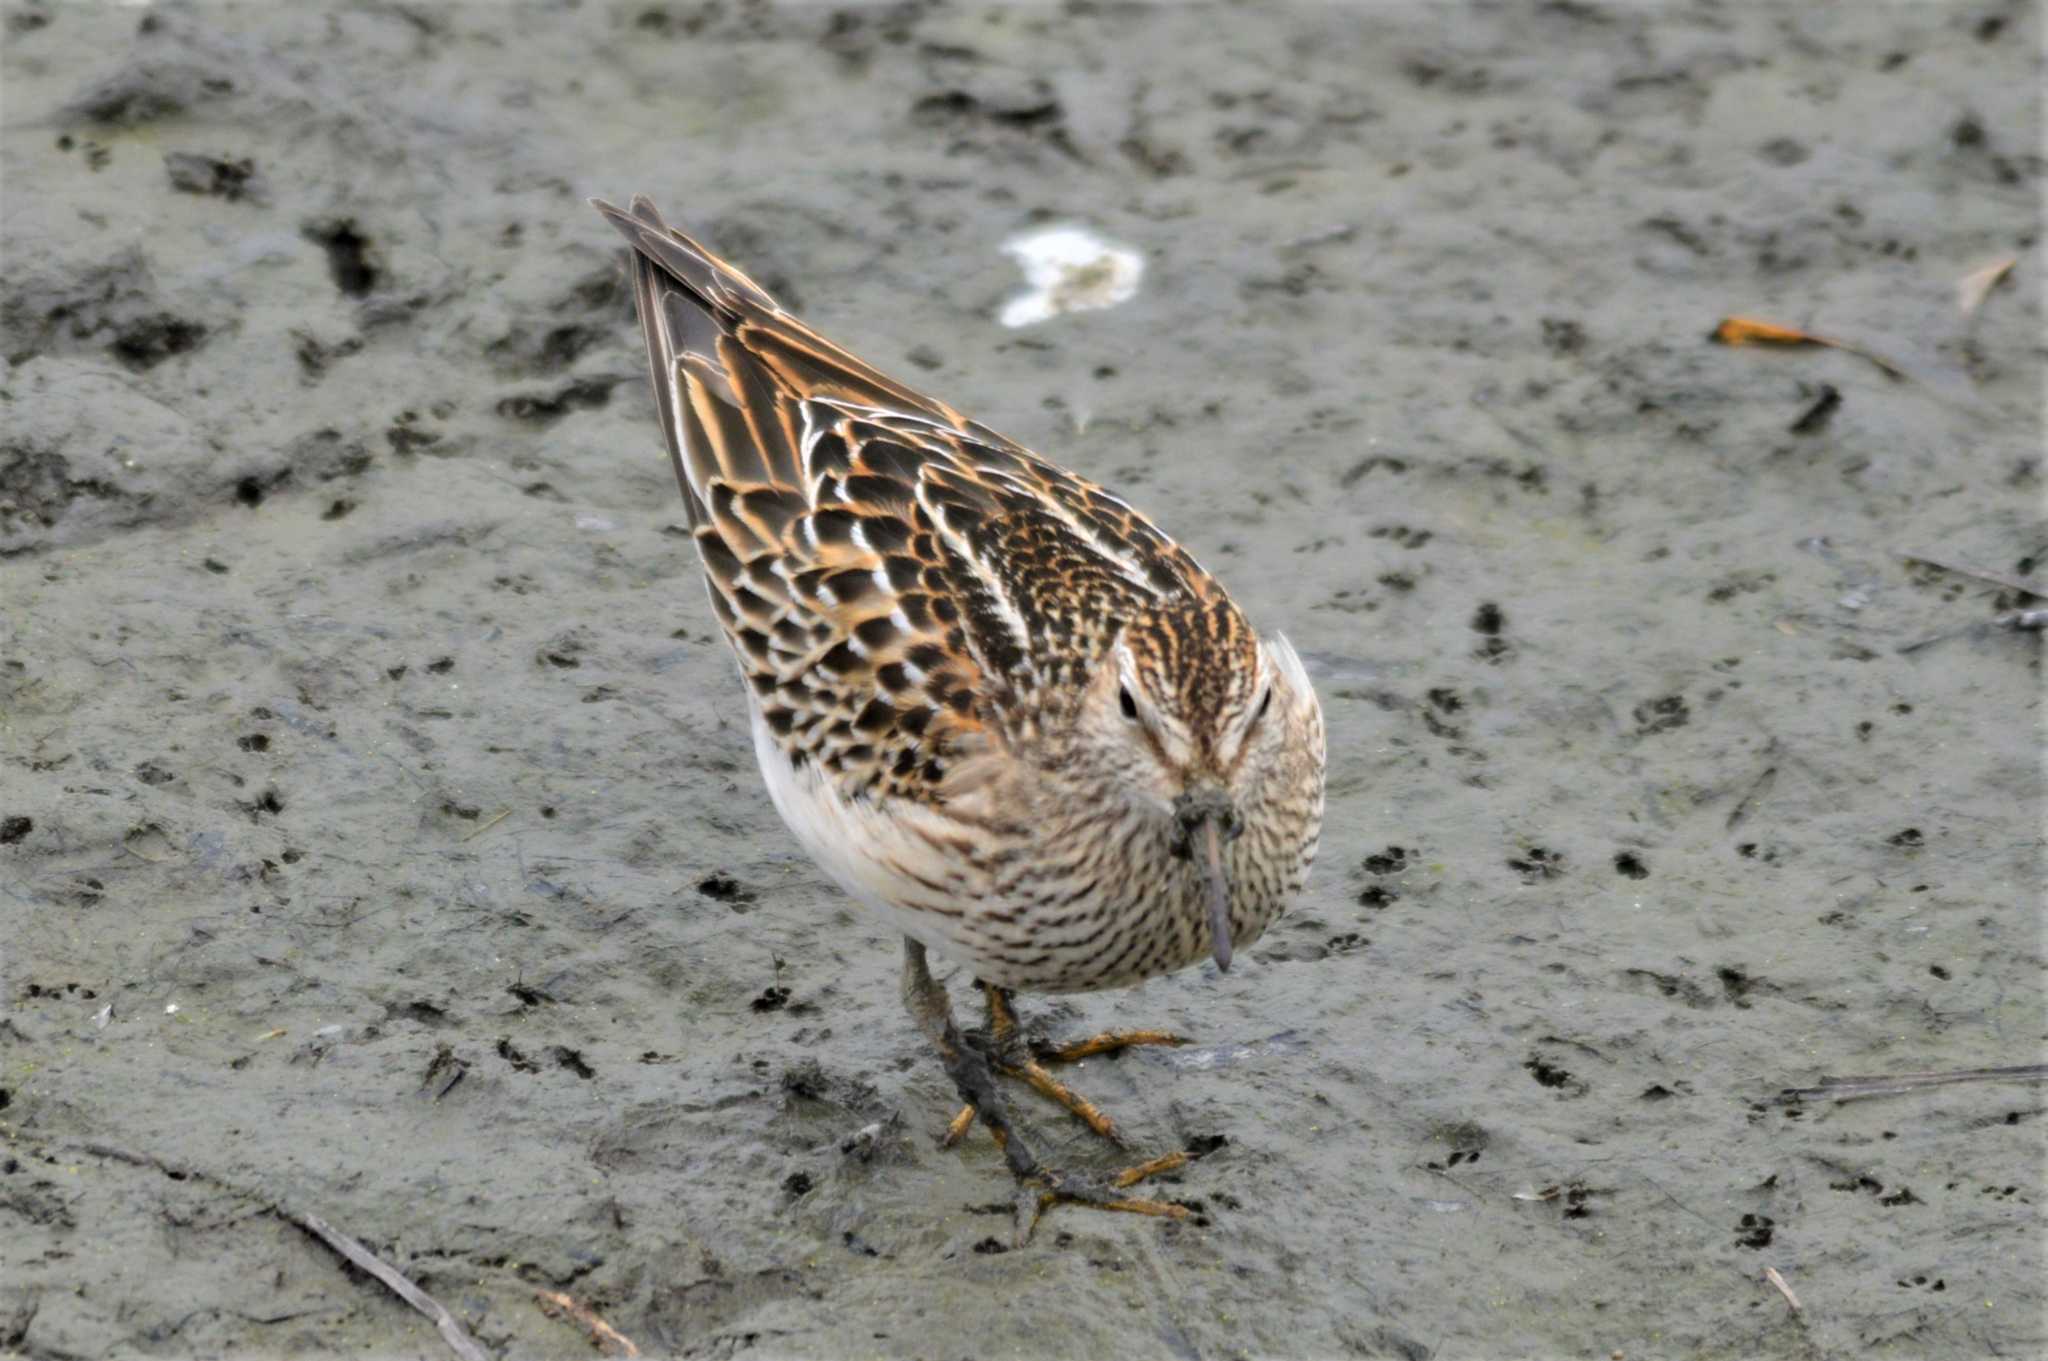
(1910, 839)
(572, 1060)
(1562, 336)
(1903, 1196)
(266, 802)
(1402, 535)
(349, 257)
(1490, 623)
(528, 995)
(145, 342)
(339, 508)
(805, 1081)
(512, 1054)
(1446, 700)
(1202, 1145)
(724, 888)
(213, 176)
(315, 355)
(13, 829)
(1754, 1231)
(444, 1072)
(563, 345)
(425, 1013)
(215, 566)
(855, 1243)
(797, 1185)
(539, 408)
(249, 491)
(441, 666)
(1741, 583)
(1735, 985)
(464, 811)
(1397, 581)
(1656, 1091)
(771, 999)
(154, 773)
(1938, 972)
(1816, 417)
(544, 491)
(1784, 151)
(988, 1247)
(1545, 1072)
(404, 439)
(1358, 470)
(1630, 866)
(1377, 897)
(1666, 714)
(1390, 861)
(1578, 1200)
(1537, 864)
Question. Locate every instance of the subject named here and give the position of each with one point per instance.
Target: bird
(1006, 714)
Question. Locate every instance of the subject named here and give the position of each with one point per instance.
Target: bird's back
(902, 585)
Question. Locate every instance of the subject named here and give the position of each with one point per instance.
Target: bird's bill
(1219, 892)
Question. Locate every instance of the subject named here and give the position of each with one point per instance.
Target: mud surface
(380, 837)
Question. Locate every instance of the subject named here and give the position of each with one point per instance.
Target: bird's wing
(895, 578)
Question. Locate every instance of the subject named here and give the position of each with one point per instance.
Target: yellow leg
(1007, 1056)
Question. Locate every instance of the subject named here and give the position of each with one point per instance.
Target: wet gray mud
(380, 837)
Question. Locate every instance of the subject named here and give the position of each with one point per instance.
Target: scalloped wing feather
(898, 582)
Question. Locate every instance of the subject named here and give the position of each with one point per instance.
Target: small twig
(609, 1340)
(488, 823)
(1771, 1275)
(1758, 788)
(2011, 583)
(459, 1341)
(1855, 1088)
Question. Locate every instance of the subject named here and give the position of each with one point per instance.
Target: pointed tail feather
(731, 369)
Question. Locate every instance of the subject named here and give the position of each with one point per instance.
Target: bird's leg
(1013, 1057)
(1038, 1188)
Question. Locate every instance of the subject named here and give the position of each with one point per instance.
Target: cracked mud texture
(379, 831)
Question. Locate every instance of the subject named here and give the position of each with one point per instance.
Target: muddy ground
(379, 832)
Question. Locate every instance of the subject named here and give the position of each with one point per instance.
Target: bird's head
(1190, 717)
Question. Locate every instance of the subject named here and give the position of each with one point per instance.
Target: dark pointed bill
(1219, 892)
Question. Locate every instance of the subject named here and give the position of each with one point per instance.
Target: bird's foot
(1012, 1055)
(1045, 1188)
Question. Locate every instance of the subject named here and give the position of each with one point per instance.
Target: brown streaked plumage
(996, 704)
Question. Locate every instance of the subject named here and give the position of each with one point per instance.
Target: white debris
(102, 1016)
(1069, 269)
(170, 1008)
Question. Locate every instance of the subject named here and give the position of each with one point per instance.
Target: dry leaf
(1750, 331)
(1976, 286)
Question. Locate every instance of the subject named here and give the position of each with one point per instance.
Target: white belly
(860, 845)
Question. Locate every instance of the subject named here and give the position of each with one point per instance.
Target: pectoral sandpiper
(1000, 709)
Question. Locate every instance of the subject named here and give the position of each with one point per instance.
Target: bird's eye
(1265, 703)
(1126, 703)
